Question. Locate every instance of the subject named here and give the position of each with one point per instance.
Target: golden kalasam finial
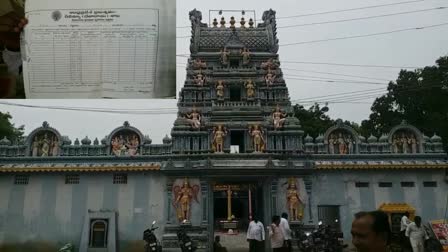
(223, 22)
(251, 23)
(243, 22)
(215, 22)
(232, 22)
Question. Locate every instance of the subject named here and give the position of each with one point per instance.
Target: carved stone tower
(235, 99)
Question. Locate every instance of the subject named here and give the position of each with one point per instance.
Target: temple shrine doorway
(234, 205)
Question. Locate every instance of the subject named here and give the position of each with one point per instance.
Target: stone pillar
(204, 192)
(169, 192)
(308, 188)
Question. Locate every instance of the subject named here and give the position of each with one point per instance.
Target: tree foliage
(315, 121)
(420, 97)
(8, 129)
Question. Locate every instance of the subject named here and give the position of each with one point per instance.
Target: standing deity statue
(350, 145)
(396, 144)
(123, 148)
(199, 79)
(404, 144)
(182, 200)
(219, 134)
(257, 137)
(35, 147)
(225, 56)
(55, 147)
(45, 146)
(413, 143)
(295, 204)
(250, 88)
(331, 143)
(132, 145)
(194, 118)
(245, 53)
(341, 144)
(278, 117)
(116, 146)
(220, 89)
(269, 78)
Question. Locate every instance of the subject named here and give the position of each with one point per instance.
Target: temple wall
(49, 211)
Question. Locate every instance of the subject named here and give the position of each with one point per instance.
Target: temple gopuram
(236, 151)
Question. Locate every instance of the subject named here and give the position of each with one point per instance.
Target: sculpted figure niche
(125, 144)
(199, 79)
(271, 63)
(295, 204)
(404, 142)
(220, 89)
(45, 144)
(219, 134)
(198, 64)
(183, 197)
(256, 133)
(341, 142)
(250, 88)
(279, 118)
(269, 78)
(225, 56)
(245, 53)
(194, 118)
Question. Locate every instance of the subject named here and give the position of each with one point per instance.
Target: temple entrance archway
(235, 203)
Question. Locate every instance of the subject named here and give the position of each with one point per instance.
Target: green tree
(8, 129)
(315, 121)
(420, 97)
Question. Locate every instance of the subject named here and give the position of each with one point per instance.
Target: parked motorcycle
(305, 242)
(322, 239)
(185, 242)
(152, 244)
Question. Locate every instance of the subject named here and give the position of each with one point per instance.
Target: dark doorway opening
(246, 197)
(237, 138)
(235, 93)
(234, 63)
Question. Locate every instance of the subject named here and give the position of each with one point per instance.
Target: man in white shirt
(284, 227)
(403, 225)
(417, 235)
(255, 235)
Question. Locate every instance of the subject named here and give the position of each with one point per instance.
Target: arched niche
(44, 141)
(341, 139)
(125, 141)
(405, 138)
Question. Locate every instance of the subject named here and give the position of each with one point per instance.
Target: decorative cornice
(132, 167)
(365, 165)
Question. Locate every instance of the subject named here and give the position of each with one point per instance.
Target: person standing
(403, 225)
(255, 235)
(284, 227)
(417, 235)
(276, 235)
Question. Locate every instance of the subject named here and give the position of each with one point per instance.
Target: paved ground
(238, 243)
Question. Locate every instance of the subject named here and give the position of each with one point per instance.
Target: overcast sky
(415, 48)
